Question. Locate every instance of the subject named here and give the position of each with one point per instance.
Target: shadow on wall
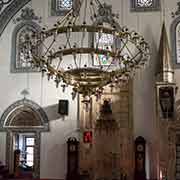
(52, 112)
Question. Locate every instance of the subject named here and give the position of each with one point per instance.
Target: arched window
(21, 53)
(175, 41)
(104, 41)
(60, 7)
(178, 43)
(64, 4)
(145, 5)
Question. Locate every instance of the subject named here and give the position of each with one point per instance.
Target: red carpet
(30, 179)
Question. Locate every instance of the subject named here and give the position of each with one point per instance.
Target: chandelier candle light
(88, 49)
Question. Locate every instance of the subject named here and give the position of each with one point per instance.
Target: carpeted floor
(29, 179)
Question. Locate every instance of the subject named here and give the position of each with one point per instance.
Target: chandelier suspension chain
(98, 2)
(84, 32)
(68, 35)
(91, 11)
(122, 12)
(85, 10)
(65, 17)
(97, 45)
(94, 10)
(41, 90)
(47, 51)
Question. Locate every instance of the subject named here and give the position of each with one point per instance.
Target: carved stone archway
(24, 116)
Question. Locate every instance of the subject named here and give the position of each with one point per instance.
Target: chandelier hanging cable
(88, 49)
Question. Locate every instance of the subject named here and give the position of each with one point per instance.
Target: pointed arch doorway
(23, 122)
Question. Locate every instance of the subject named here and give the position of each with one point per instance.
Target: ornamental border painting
(145, 5)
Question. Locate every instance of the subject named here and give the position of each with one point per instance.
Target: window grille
(145, 5)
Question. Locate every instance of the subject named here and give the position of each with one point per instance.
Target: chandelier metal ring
(69, 56)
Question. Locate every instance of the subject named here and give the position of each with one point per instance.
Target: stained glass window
(178, 43)
(105, 42)
(60, 7)
(145, 5)
(104, 39)
(64, 4)
(21, 50)
(24, 56)
(175, 40)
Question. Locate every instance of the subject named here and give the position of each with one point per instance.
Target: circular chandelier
(88, 49)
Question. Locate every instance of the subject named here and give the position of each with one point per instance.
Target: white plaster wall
(53, 148)
(44, 93)
(149, 25)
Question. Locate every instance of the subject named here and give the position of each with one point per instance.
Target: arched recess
(24, 116)
(175, 45)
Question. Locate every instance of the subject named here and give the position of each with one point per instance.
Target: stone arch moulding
(9, 12)
(14, 113)
(26, 106)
